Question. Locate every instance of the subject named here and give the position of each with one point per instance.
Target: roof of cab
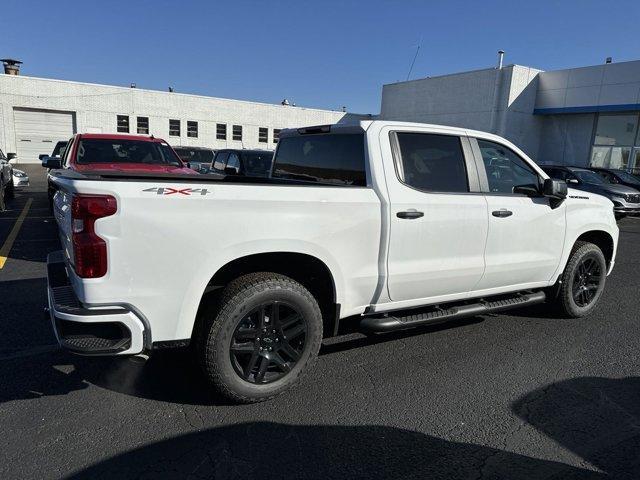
(121, 136)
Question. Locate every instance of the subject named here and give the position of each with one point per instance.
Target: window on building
(432, 163)
(174, 128)
(263, 135)
(237, 133)
(616, 142)
(329, 159)
(123, 124)
(505, 169)
(143, 125)
(276, 135)
(192, 129)
(221, 131)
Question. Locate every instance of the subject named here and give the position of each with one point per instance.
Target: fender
(211, 265)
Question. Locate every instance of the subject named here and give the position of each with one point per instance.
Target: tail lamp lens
(89, 250)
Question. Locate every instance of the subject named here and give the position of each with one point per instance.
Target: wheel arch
(310, 271)
(603, 240)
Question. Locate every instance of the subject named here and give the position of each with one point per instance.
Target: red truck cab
(121, 152)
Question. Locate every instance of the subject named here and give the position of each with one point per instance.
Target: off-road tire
(564, 302)
(239, 298)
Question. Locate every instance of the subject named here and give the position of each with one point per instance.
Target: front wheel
(266, 335)
(582, 282)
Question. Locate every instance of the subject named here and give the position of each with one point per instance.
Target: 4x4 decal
(177, 191)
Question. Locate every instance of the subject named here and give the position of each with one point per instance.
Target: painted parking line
(8, 243)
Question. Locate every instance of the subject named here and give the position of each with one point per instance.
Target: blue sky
(317, 54)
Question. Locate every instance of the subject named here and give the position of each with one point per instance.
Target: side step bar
(435, 314)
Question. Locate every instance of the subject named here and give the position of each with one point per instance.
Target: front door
(438, 216)
(526, 234)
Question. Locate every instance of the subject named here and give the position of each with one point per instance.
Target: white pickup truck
(384, 225)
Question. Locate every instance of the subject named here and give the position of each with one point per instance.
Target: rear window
(125, 151)
(336, 159)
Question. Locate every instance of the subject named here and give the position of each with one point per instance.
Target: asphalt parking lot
(516, 396)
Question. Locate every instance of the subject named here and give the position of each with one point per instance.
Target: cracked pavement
(515, 396)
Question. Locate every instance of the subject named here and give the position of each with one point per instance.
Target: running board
(436, 314)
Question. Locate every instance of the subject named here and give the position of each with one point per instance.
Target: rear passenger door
(438, 217)
(526, 232)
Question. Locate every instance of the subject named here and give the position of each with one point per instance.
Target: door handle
(410, 214)
(502, 213)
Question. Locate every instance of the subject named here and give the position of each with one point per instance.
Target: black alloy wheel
(268, 342)
(586, 281)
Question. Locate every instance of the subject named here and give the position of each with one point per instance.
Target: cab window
(432, 163)
(505, 169)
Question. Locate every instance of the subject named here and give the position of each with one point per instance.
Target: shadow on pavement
(272, 450)
(170, 376)
(596, 418)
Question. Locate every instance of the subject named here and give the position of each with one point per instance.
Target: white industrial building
(579, 116)
(35, 113)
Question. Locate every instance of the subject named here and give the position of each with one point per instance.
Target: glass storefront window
(616, 129)
(600, 156)
(616, 142)
(620, 158)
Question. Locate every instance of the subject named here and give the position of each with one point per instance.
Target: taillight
(89, 250)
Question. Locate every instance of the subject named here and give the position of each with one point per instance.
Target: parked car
(626, 200)
(116, 153)
(382, 225)
(196, 158)
(620, 177)
(248, 163)
(20, 178)
(6, 180)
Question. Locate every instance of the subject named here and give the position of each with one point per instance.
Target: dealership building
(35, 113)
(578, 116)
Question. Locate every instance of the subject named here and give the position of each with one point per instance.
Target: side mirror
(11, 156)
(42, 156)
(52, 163)
(554, 188)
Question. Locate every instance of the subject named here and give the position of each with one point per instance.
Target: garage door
(37, 131)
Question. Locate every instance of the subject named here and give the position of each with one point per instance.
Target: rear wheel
(266, 335)
(582, 282)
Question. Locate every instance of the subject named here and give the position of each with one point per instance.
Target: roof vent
(284, 102)
(500, 59)
(608, 60)
(11, 66)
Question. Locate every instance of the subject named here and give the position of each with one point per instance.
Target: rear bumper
(89, 330)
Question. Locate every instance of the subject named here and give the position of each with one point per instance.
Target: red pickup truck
(117, 153)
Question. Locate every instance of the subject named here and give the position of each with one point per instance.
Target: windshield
(125, 151)
(627, 177)
(257, 163)
(587, 176)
